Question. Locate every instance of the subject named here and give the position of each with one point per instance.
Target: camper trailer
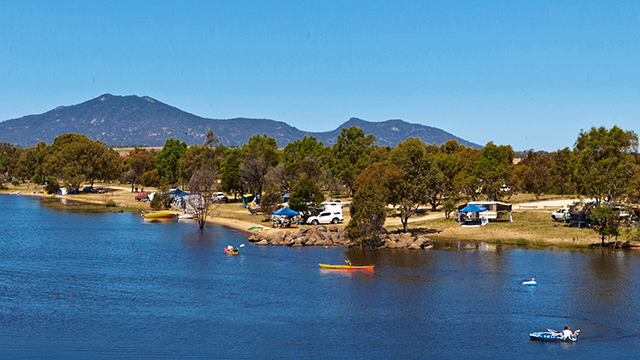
(495, 209)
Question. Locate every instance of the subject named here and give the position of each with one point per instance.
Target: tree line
(603, 164)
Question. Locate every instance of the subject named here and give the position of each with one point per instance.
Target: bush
(37, 179)
(52, 187)
(161, 200)
(15, 182)
(110, 203)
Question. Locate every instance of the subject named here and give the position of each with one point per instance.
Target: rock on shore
(334, 236)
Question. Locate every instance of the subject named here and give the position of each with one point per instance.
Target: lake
(90, 284)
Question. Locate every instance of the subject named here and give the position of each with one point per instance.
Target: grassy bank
(529, 227)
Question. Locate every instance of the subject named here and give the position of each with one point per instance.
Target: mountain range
(143, 121)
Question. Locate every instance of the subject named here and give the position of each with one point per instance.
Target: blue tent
(473, 209)
(286, 212)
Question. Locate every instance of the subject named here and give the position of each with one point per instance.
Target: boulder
(253, 238)
(262, 242)
(321, 228)
(333, 228)
(414, 246)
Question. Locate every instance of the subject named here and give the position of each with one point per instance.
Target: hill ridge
(125, 120)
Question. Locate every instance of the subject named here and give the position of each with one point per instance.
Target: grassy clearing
(532, 228)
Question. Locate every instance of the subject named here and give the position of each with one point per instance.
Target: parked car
(561, 214)
(254, 209)
(141, 196)
(219, 197)
(100, 190)
(326, 217)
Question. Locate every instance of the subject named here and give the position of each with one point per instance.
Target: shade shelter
(473, 215)
(285, 213)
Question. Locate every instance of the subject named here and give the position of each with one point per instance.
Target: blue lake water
(77, 284)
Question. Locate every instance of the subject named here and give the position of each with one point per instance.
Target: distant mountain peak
(144, 121)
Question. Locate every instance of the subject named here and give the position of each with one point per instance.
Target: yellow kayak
(347, 267)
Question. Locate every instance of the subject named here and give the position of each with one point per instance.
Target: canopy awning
(286, 212)
(473, 209)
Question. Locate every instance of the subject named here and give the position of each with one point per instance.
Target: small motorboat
(531, 282)
(347, 267)
(187, 216)
(552, 335)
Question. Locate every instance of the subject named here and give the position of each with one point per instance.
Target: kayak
(530, 283)
(230, 252)
(552, 335)
(346, 267)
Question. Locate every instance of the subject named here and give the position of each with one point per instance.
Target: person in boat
(230, 248)
(566, 333)
(347, 261)
(235, 249)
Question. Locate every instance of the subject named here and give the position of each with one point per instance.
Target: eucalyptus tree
(231, 179)
(136, 163)
(493, 168)
(351, 155)
(368, 208)
(605, 161)
(207, 156)
(419, 177)
(534, 173)
(259, 154)
(168, 160)
(561, 169)
(76, 159)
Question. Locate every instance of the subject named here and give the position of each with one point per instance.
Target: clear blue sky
(526, 73)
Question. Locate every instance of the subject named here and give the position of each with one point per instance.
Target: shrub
(161, 200)
(15, 182)
(110, 203)
(52, 187)
(37, 179)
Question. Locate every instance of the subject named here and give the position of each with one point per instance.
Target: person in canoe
(235, 249)
(348, 262)
(566, 333)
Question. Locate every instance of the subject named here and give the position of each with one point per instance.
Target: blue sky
(530, 74)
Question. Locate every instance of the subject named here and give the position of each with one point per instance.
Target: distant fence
(546, 207)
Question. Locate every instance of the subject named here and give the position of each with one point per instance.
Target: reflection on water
(104, 286)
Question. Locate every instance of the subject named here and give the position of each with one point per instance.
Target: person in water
(566, 333)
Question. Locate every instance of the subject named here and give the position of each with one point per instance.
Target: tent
(474, 215)
(285, 213)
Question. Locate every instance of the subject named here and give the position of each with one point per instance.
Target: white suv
(326, 217)
(561, 215)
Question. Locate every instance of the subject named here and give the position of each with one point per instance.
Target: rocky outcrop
(334, 236)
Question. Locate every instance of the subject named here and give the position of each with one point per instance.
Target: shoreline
(432, 225)
(232, 223)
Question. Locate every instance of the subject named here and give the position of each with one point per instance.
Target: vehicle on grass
(142, 196)
(326, 217)
(88, 189)
(254, 209)
(561, 214)
(219, 197)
